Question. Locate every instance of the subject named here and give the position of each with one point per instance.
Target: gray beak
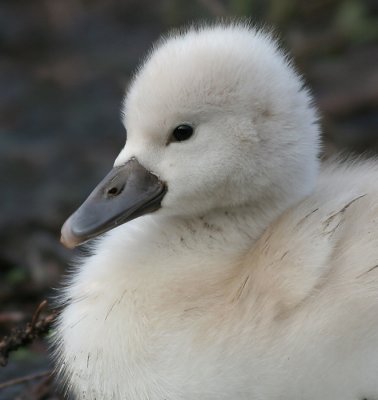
(126, 193)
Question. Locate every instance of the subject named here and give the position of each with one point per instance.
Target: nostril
(114, 191)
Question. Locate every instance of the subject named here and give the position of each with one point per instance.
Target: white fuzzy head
(255, 137)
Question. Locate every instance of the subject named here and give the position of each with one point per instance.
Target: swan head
(216, 118)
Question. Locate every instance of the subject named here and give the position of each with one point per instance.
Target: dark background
(64, 65)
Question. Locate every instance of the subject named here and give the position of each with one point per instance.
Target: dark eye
(181, 133)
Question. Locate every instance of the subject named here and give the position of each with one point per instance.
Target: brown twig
(24, 379)
(43, 389)
(37, 328)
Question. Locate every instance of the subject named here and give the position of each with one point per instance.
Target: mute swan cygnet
(242, 271)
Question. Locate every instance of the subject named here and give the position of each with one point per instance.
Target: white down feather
(257, 278)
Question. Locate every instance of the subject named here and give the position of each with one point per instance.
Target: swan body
(257, 278)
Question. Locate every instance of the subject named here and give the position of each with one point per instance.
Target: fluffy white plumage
(257, 278)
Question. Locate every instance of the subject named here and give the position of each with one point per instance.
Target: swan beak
(127, 192)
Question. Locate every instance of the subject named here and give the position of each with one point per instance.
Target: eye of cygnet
(181, 133)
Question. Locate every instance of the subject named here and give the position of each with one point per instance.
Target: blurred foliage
(356, 19)
(15, 276)
(355, 22)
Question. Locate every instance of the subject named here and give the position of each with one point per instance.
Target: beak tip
(65, 243)
(67, 238)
